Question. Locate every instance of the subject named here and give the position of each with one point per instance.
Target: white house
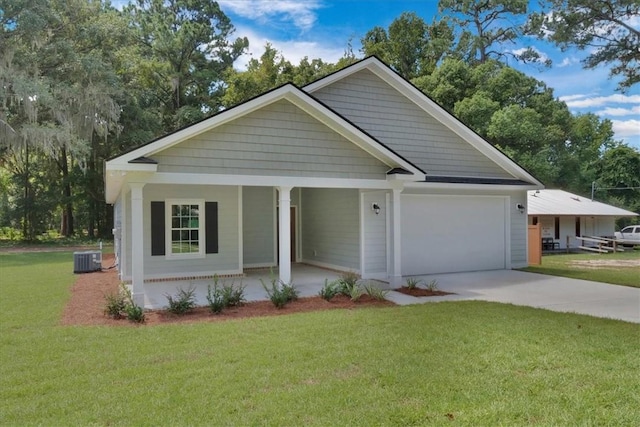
(563, 216)
(357, 171)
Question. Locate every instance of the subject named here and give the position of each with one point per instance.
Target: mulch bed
(421, 292)
(87, 303)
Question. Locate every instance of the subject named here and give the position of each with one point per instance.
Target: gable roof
(415, 95)
(559, 202)
(140, 156)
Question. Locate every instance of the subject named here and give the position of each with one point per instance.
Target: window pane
(175, 235)
(194, 235)
(175, 210)
(175, 222)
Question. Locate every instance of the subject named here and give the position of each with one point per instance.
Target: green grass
(561, 265)
(480, 363)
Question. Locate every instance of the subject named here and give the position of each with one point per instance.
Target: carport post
(284, 230)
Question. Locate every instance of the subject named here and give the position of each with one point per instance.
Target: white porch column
(396, 258)
(137, 244)
(284, 234)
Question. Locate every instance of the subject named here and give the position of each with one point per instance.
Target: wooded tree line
(81, 81)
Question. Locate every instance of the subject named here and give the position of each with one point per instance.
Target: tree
(411, 47)
(606, 28)
(618, 174)
(182, 56)
(58, 95)
(270, 71)
(488, 23)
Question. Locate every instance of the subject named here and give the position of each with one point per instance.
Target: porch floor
(307, 279)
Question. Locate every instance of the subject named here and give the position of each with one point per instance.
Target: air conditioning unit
(86, 262)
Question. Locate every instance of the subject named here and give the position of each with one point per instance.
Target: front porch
(307, 279)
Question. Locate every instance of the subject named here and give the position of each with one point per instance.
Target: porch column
(284, 234)
(137, 244)
(396, 258)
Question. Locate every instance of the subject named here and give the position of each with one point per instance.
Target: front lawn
(455, 363)
(596, 267)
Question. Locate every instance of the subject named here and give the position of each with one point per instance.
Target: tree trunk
(67, 211)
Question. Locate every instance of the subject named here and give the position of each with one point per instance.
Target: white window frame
(168, 204)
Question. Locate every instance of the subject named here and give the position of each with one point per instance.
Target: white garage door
(444, 234)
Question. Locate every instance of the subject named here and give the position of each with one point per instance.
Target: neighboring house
(563, 216)
(358, 171)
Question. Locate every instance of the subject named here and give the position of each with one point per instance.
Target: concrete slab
(541, 291)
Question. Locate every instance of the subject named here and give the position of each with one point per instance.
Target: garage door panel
(443, 234)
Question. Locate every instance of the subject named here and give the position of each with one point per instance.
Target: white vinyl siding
(258, 229)
(374, 234)
(227, 258)
(278, 140)
(518, 229)
(376, 107)
(330, 227)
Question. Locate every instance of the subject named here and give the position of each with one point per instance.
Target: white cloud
(629, 130)
(587, 101)
(543, 56)
(567, 61)
(609, 111)
(292, 50)
(301, 12)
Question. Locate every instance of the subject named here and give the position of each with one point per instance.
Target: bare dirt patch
(87, 302)
(606, 263)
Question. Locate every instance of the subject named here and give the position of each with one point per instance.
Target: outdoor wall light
(520, 207)
(376, 208)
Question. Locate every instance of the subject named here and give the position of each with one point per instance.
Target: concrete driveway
(536, 290)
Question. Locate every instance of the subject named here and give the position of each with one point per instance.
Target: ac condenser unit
(85, 262)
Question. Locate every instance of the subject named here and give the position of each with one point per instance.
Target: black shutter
(157, 228)
(211, 227)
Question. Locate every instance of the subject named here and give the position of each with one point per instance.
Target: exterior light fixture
(376, 208)
(520, 207)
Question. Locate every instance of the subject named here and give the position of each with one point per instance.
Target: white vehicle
(629, 235)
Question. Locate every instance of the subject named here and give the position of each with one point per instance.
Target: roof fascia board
(131, 167)
(466, 186)
(265, 181)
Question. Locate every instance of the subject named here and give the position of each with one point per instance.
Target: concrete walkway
(535, 290)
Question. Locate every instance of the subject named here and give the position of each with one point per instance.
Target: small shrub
(375, 292)
(233, 296)
(215, 299)
(355, 292)
(329, 290)
(116, 305)
(432, 285)
(348, 284)
(280, 294)
(135, 313)
(183, 302)
(413, 282)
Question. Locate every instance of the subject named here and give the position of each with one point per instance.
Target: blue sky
(323, 28)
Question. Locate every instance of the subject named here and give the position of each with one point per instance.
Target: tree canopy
(605, 28)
